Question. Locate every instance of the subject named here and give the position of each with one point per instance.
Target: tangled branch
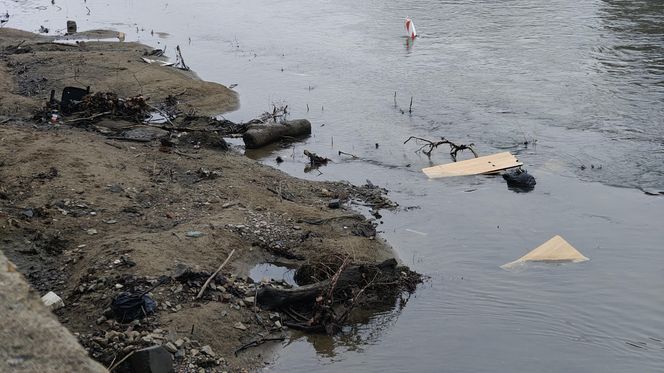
(429, 146)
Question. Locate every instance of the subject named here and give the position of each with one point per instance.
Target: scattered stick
(348, 154)
(281, 194)
(113, 145)
(258, 342)
(121, 361)
(120, 138)
(187, 155)
(92, 117)
(205, 285)
(410, 107)
(321, 221)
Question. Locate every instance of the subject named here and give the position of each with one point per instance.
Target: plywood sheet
(554, 250)
(480, 165)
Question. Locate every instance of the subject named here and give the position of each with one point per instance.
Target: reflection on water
(365, 328)
(634, 47)
(271, 271)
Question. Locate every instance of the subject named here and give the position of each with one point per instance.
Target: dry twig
(205, 285)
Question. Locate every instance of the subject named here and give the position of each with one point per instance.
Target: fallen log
(260, 135)
(352, 276)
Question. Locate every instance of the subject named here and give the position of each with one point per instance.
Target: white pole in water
(410, 28)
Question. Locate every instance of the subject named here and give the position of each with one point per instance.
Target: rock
(239, 325)
(277, 324)
(145, 134)
(170, 347)
(179, 343)
(115, 188)
(91, 231)
(132, 335)
(334, 203)
(155, 359)
(249, 300)
(207, 350)
(52, 301)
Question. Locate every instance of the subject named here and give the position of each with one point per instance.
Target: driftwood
(263, 134)
(351, 276)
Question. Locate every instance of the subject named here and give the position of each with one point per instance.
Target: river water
(581, 81)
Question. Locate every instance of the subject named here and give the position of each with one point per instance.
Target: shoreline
(89, 216)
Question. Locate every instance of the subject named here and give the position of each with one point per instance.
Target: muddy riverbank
(89, 215)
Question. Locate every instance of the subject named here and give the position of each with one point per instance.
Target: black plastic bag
(128, 307)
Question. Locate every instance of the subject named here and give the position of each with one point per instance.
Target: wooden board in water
(481, 165)
(555, 250)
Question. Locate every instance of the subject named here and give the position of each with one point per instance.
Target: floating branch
(429, 146)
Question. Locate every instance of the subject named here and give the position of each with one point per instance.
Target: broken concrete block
(155, 359)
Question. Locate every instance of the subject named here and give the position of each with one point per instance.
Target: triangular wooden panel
(481, 165)
(554, 250)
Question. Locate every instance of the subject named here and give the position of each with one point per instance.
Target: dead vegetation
(333, 287)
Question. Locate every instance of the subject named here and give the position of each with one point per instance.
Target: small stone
(179, 343)
(226, 297)
(193, 352)
(277, 324)
(249, 300)
(119, 286)
(52, 301)
(101, 319)
(334, 203)
(91, 231)
(170, 347)
(239, 325)
(207, 350)
(111, 221)
(194, 234)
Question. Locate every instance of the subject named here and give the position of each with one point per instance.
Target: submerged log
(263, 134)
(353, 276)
